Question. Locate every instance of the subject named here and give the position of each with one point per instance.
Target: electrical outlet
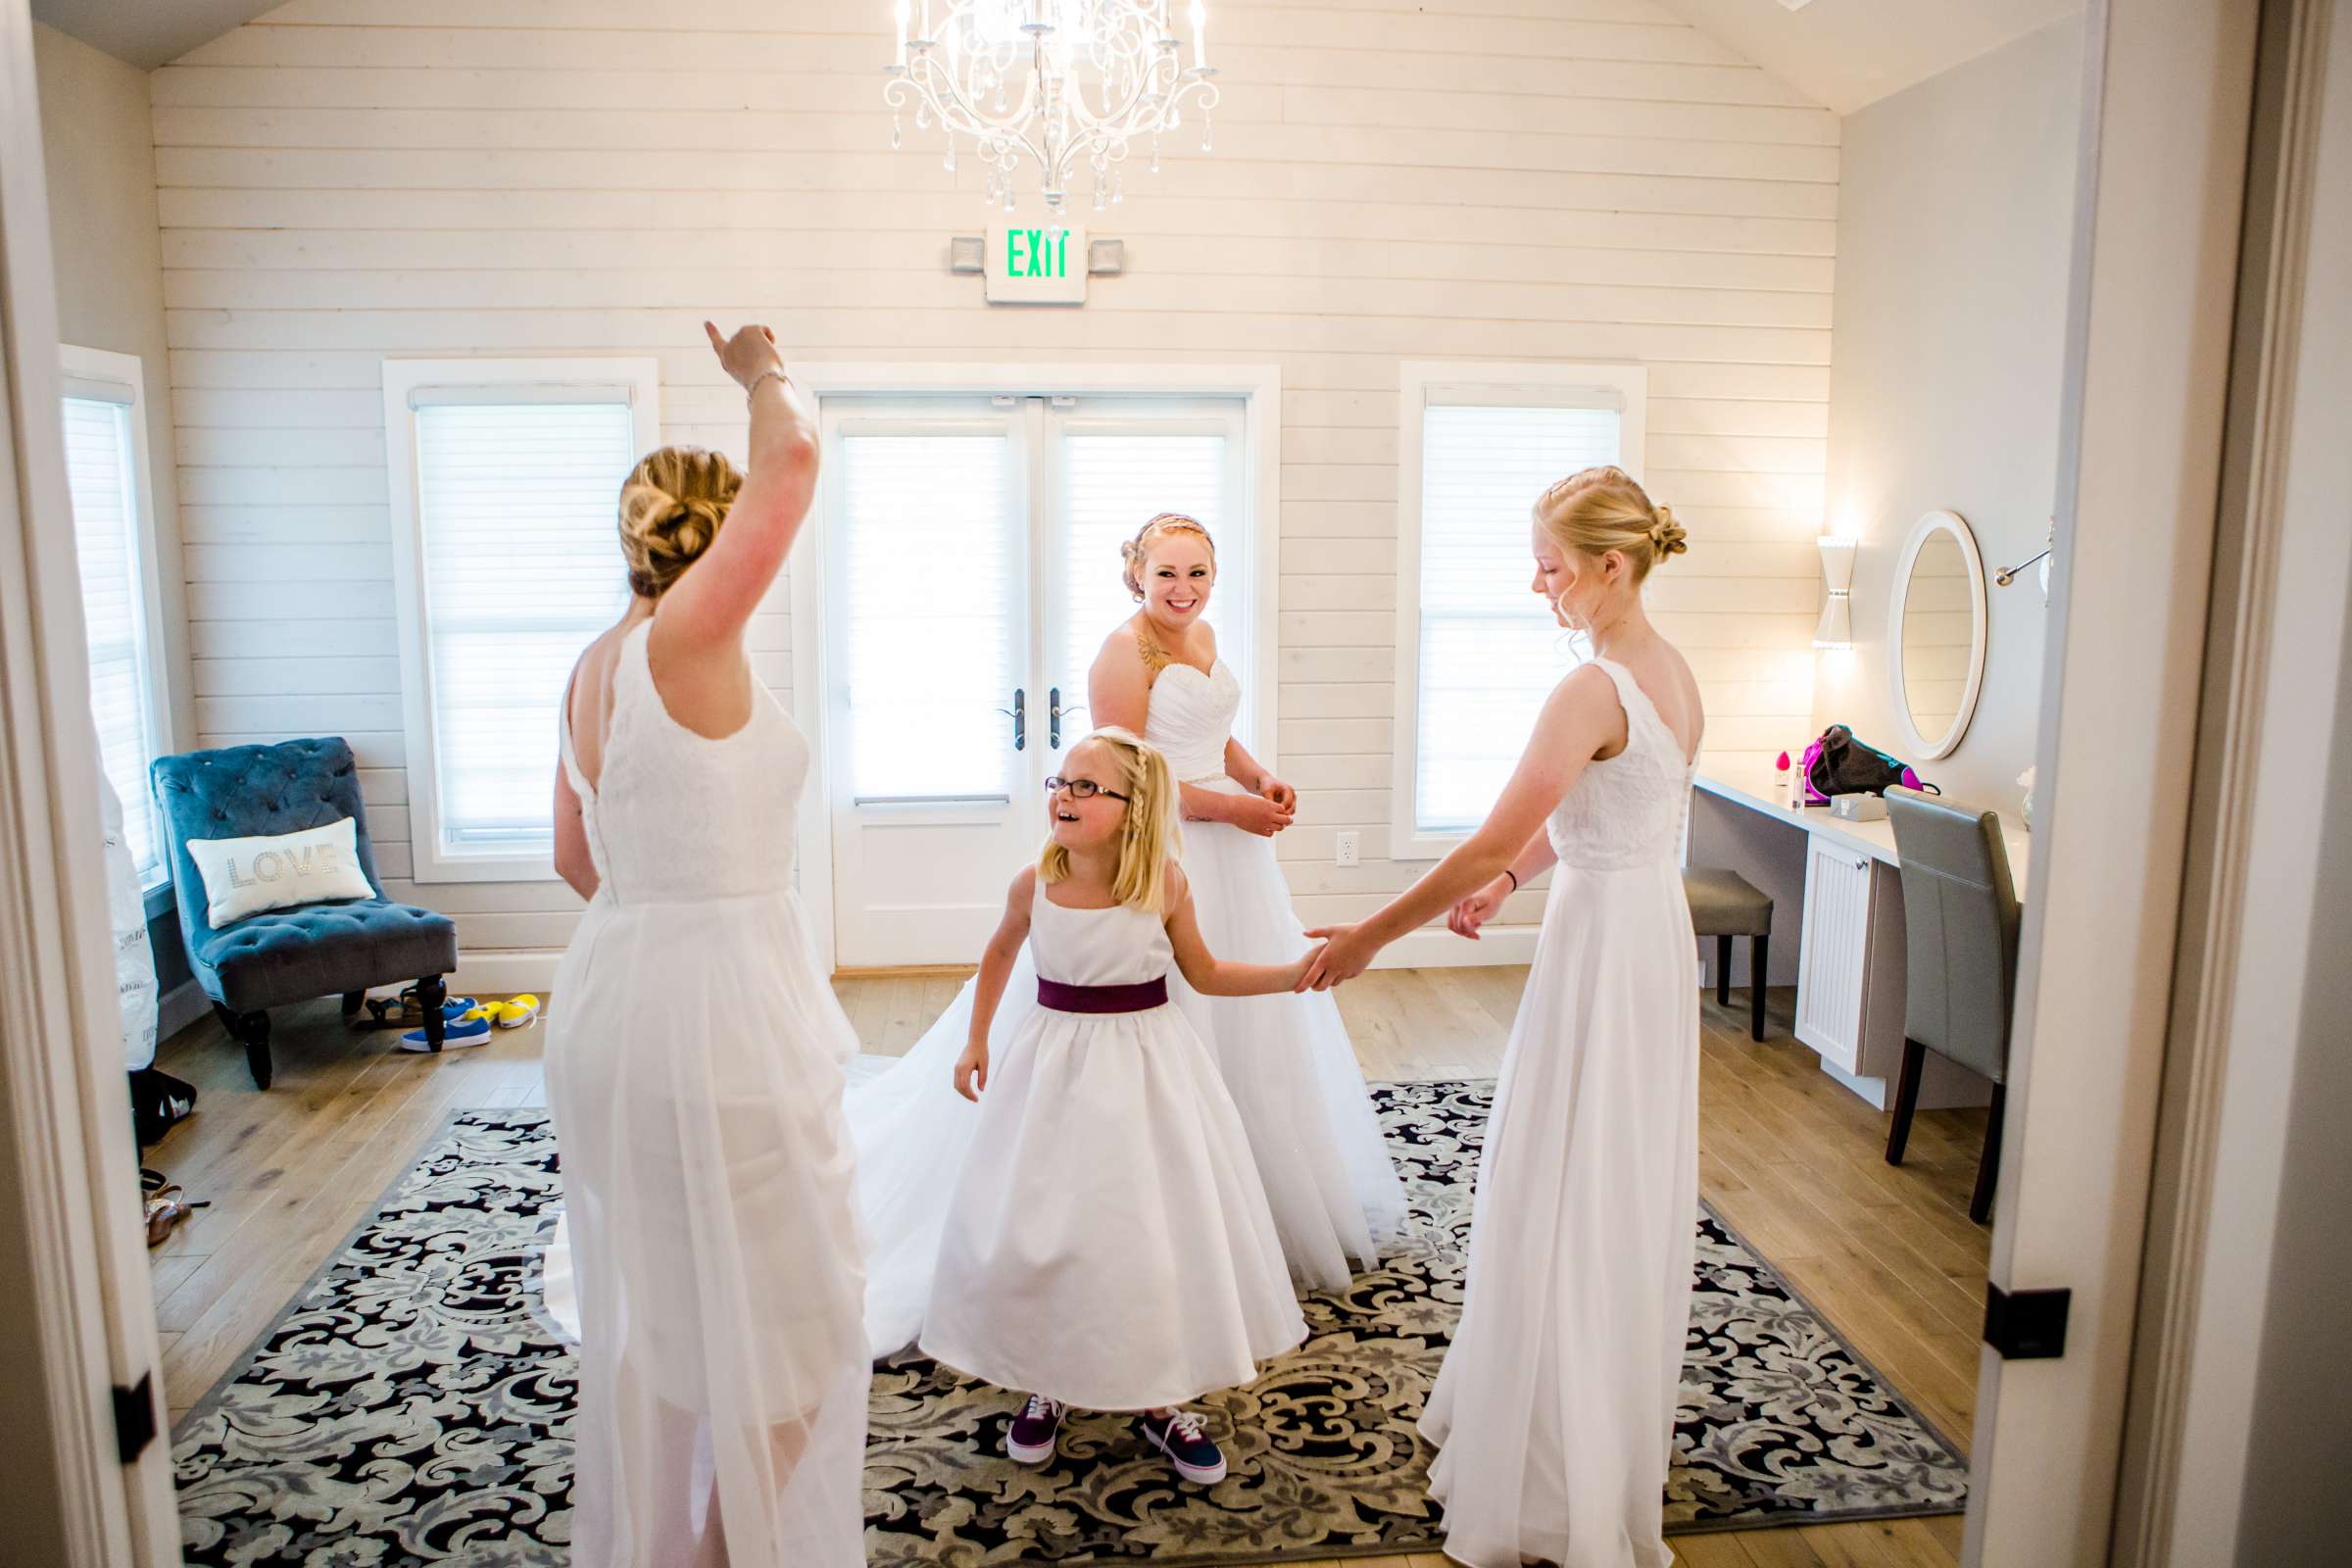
(1344, 848)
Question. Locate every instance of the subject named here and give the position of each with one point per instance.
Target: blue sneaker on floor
(1183, 1439)
(470, 1029)
(1031, 1437)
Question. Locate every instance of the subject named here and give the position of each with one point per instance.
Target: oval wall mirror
(1935, 634)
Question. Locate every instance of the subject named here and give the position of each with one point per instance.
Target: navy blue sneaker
(1179, 1435)
(1030, 1441)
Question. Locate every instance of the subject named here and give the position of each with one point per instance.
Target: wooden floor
(1787, 1156)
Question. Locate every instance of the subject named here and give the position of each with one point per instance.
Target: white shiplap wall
(1392, 179)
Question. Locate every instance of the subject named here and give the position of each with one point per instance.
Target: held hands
(1478, 908)
(1281, 794)
(972, 1070)
(747, 356)
(1345, 954)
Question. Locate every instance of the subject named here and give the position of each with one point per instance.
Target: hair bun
(1667, 536)
(672, 507)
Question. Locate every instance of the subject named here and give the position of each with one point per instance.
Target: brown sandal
(165, 1209)
(166, 1204)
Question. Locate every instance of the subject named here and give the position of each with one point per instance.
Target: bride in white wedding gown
(1286, 1059)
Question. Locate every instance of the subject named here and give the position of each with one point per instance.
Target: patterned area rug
(412, 1406)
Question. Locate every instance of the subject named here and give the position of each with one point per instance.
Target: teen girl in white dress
(695, 1052)
(1555, 1406)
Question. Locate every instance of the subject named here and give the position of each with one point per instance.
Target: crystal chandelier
(1067, 83)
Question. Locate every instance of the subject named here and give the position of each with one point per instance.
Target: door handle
(1054, 712)
(1019, 715)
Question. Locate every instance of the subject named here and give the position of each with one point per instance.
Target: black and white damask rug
(413, 1405)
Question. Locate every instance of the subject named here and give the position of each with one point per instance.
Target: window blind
(516, 502)
(938, 617)
(1113, 484)
(101, 479)
(1490, 649)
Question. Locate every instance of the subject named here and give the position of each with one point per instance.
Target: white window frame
(1258, 386)
(406, 383)
(106, 376)
(1427, 383)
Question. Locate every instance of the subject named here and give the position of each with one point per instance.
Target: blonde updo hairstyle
(671, 507)
(1149, 837)
(1135, 552)
(1596, 510)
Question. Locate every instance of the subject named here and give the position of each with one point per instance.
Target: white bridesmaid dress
(1556, 1406)
(695, 1066)
(1286, 1060)
(1107, 1242)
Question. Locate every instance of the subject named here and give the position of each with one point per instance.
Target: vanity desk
(1836, 924)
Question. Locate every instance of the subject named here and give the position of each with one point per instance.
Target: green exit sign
(1041, 263)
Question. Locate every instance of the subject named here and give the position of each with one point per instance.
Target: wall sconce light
(1836, 628)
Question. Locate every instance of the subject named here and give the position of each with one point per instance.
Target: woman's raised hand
(1478, 908)
(747, 356)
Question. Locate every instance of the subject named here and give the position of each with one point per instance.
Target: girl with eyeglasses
(1107, 1245)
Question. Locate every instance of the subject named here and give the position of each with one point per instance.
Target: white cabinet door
(1833, 958)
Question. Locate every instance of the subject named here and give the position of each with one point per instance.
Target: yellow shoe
(514, 1012)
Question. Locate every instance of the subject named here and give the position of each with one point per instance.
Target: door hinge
(134, 1418)
(2025, 1325)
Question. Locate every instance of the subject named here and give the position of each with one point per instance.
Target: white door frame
(1258, 386)
(74, 1272)
(2166, 105)
(2224, 1369)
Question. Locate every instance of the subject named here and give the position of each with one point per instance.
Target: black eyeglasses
(1081, 789)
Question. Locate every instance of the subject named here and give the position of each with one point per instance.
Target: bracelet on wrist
(748, 391)
(1514, 876)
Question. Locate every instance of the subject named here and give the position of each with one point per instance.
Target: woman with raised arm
(695, 1050)
(1554, 1410)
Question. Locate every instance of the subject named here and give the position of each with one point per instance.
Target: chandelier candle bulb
(1199, 35)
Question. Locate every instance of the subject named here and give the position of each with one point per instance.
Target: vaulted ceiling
(1841, 54)
(1845, 54)
(148, 32)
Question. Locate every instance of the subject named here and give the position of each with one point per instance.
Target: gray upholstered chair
(1960, 926)
(1725, 905)
(339, 947)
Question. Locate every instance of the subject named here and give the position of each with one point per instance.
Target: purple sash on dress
(1141, 996)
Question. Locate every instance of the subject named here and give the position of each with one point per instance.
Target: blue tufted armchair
(315, 949)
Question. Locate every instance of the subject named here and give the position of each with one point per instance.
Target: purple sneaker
(1031, 1437)
(1182, 1439)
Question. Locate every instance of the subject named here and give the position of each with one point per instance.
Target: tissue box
(1858, 807)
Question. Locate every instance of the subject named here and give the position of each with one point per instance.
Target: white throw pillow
(245, 876)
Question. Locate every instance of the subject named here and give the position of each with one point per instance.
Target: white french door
(972, 572)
